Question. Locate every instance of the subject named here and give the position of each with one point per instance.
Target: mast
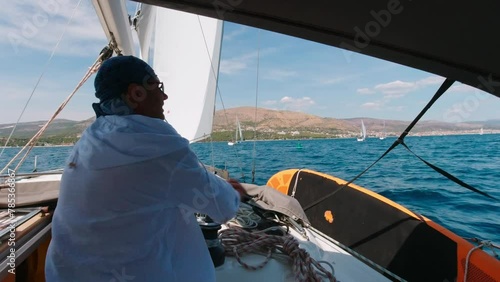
(115, 23)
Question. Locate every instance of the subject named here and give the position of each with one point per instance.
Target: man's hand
(237, 186)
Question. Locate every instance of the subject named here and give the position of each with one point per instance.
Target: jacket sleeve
(193, 189)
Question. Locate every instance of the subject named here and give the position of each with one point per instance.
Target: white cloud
(431, 80)
(235, 33)
(398, 88)
(395, 88)
(365, 91)
(372, 105)
(38, 25)
(237, 64)
(280, 75)
(231, 66)
(297, 104)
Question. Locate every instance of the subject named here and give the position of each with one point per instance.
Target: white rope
(467, 260)
(484, 243)
(40, 77)
(245, 217)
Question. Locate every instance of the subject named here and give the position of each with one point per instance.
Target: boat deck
(347, 267)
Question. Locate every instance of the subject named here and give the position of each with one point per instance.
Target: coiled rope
(245, 217)
(236, 241)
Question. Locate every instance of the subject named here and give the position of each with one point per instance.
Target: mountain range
(269, 123)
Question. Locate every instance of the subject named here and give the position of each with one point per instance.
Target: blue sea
(400, 176)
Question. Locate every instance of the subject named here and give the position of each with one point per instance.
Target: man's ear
(135, 95)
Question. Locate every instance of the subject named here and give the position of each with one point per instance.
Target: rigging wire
(31, 143)
(212, 150)
(254, 151)
(238, 158)
(49, 60)
(442, 89)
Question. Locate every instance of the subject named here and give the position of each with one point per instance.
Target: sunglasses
(160, 85)
(150, 85)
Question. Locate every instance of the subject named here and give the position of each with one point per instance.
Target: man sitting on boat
(130, 190)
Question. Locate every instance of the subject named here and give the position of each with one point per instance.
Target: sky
(47, 47)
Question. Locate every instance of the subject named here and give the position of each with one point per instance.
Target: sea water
(400, 176)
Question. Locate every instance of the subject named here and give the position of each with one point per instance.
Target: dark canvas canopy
(454, 39)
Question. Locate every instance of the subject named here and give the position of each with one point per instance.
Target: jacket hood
(121, 140)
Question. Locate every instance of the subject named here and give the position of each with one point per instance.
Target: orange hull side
(482, 266)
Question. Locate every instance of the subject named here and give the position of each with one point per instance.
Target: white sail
(363, 132)
(186, 58)
(236, 134)
(239, 133)
(383, 135)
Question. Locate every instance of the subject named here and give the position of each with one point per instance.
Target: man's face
(152, 105)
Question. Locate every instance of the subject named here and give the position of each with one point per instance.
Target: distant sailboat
(238, 136)
(481, 132)
(363, 132)
(383, 134)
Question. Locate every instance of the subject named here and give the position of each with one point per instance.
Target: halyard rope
(237, 241)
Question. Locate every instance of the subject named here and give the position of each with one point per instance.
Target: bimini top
(454, 39)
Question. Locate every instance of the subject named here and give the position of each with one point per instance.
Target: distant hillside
(269, 124)
(288, 121)
(59, 127)
(59, 132)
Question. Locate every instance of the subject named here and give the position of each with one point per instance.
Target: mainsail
(185, 55)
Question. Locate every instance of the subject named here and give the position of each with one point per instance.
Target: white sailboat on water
(358, 233)
(238, 135)
(383, 134)
(363, 132)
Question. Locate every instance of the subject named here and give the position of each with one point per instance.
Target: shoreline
(48, 146)
(493, 132)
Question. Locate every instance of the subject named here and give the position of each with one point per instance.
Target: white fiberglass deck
(347, 267)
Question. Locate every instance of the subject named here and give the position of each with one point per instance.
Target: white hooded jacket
(126, 206)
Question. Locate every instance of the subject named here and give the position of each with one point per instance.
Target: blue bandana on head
(112, 80)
